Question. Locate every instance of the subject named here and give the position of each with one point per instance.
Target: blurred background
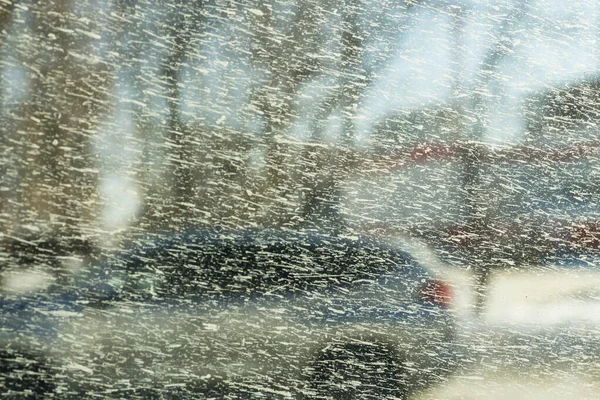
(469, 124)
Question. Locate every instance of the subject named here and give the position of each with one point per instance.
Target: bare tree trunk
(327, 168)
(53, 203)
(166, 175)
(184, 22)
(289, 61)
(6, 10)
(6, 13)
(477, 216)
(57, 172)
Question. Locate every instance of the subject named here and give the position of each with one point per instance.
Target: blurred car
(235, 315)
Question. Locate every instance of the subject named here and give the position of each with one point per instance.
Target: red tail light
(436, 292)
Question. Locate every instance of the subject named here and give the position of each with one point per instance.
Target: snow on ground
(539, 338)
(512, 385)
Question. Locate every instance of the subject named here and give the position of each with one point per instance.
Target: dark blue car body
(229, 313)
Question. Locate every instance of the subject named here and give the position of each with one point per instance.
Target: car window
(279, 266)
(405, 194)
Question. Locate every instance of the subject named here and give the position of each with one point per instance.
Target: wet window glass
(301, 199)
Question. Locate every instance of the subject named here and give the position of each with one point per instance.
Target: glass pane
(299, 199)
